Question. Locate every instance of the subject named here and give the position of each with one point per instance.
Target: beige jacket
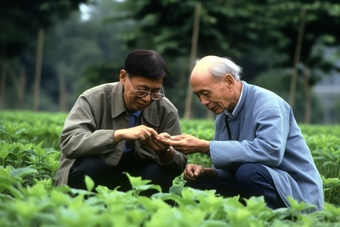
(89, 128)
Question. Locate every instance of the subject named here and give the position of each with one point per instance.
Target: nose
(204, 101)
(147, 98)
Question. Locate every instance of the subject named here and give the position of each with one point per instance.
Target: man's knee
(247, 173)
(252, 179)
(93, 166)
(195, 184)
(158, 175)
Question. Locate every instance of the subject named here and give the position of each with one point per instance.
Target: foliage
(321, 18)
(70, 46)
(43, 204)
(278, 80)
(157, 20)
(255, 34)
(27, 172)
(242, 30)
(80, 47)
(281, 34)
(16, 34)
(337, 109)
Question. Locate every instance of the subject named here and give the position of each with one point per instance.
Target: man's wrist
(167, 155)
(116, 136)
(162, 153)
(205, 147)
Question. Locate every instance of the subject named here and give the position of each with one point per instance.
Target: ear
(229, 80)
(122, 76)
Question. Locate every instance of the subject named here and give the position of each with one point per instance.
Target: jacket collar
(242, 101)
(150, 114)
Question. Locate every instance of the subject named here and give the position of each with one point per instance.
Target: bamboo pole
(36, 89)
(21, 92)
(62, 95)
(14, 78)
(297, 58)
(18, 84)
(308, 108)
(188, 101)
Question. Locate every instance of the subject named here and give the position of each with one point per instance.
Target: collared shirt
(227, 112)
(134, 119)
(231, 134)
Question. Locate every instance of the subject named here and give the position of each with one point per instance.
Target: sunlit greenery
(29, 158)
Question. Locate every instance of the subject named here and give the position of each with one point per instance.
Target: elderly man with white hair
(258, 148)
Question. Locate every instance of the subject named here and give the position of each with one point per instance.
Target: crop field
(29, 159)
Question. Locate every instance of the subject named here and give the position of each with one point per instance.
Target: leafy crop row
(29, 158)
(45, 205)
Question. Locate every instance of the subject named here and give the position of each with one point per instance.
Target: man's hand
(155, 144)
(186, 144)
(194, 172)
(140, 132)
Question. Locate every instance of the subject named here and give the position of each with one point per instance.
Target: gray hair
(223, 66)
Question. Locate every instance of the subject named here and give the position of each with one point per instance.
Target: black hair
(146, 63)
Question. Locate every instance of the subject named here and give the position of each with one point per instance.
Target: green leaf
(177, 190)
(59, 198)
(154, 204)
(89, 183)
(4, 150)
(52, 163)
(298, 207)
(22, 172)
(331, 181)
(39, 151)
(136, 181)
(81, 192)
(179, 200)
(214, 223)
(147, 187)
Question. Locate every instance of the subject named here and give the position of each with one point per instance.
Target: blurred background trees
(86, 47)
(23, 25)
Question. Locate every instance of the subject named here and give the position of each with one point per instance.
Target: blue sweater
(264, 131)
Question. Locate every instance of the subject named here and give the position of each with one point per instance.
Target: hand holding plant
(187, 144)
(140, 132)
(154, 144)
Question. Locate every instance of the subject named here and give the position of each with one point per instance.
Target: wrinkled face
(132, 102)
(213, 93)
(217, 94)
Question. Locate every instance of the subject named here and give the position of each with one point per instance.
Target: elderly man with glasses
(112, 129)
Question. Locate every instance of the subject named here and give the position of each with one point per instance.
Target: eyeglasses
(143, 93)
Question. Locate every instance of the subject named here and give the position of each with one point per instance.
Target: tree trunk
(308, 100)
(62, 95)
(188, 101)
(19, 84)
(36, 90)
(21, 92)
(3, 82)
(297, 58)
(14, 79)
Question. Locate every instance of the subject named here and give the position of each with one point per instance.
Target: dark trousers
(95, 167)
(247, 180)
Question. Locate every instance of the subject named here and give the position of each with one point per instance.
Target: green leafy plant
(29, 159)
